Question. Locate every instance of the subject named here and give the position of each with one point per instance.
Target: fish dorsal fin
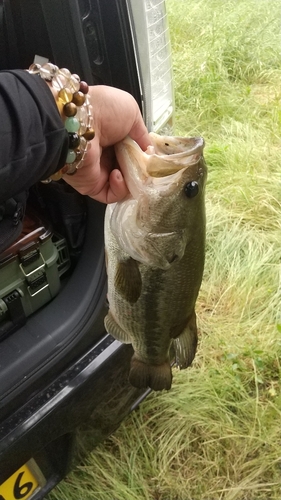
(127, 280)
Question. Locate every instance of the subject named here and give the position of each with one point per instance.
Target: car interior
(58, 331)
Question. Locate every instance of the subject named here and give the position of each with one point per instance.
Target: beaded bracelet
(74, 105)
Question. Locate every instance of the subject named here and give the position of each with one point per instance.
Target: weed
(216, 434)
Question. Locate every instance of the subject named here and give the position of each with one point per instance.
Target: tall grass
(216, 434)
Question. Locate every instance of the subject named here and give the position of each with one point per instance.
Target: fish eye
(191, 189)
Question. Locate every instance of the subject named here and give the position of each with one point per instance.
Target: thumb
(139, 132)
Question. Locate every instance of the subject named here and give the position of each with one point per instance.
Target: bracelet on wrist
(75, 108)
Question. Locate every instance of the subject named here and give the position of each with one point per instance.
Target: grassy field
(217, 433)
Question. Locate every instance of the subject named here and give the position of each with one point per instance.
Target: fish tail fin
(157, 377)
(186, 344)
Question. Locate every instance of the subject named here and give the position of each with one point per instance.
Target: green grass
(216, 434)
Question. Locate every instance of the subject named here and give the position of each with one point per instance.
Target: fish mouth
(181, 146)
(167, 155)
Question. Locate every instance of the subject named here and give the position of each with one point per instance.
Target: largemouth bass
(154, 242)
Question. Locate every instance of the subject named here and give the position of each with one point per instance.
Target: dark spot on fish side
(167, 144)
(191, 189)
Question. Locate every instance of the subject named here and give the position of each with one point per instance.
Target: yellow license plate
(23, 483)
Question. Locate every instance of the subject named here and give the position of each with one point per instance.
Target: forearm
(33, 140)
(37, 133)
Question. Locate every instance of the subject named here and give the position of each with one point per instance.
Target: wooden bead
(70, 109)
(89, 134)
(78, 98)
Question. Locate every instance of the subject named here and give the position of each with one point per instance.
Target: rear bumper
(95, 388)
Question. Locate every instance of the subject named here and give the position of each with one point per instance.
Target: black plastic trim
(97, 380)
(74, 316)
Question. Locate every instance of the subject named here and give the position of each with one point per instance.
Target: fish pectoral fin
(127, 280)
(185, 343)
(115, 330)
(143, 375)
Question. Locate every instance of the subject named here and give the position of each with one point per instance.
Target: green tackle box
(30, 271)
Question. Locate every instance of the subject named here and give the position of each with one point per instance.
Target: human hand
(116, 114)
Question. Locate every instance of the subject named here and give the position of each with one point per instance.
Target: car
(58, 366)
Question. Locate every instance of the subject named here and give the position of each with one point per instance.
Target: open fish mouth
(169, 145)
(164, 157)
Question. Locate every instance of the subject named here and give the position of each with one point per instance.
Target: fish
(155, 253)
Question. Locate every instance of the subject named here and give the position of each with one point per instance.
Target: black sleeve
(33, 140)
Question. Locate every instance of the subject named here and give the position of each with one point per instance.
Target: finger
(112, 191)
(117, 187)
(139, 133)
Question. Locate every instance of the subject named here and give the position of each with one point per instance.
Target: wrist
(73, 103)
